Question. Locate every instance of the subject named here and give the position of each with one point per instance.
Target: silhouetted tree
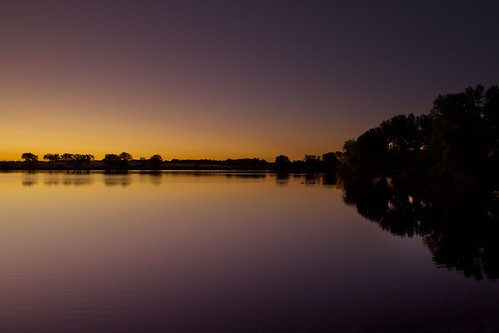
(156, 161)
(82, 160)
(67, 157)
(368, 154)
(111, 158)
(282, 159)
(282, 163)
(312, 163)
(126, 157)
(465, 142)
(114, 161)
(52, 157)
(29, 157)
(329, 162)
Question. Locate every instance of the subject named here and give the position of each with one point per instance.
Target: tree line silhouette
(124, 161)
(456, 145)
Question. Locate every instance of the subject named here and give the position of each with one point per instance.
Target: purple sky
(220, 79)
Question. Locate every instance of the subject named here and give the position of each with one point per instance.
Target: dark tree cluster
(456, 145)
(76, 161)
(246, 163)
(117, 161)
(327, 163)
(67, 161)
(154, 162)
(29, 157)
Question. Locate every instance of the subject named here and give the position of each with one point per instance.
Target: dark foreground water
(186, 252)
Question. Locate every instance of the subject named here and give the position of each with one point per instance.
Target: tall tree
(282, 163)
(52, 157)
(465, 138)
(156, 161)
(29, 157)
(126, 157)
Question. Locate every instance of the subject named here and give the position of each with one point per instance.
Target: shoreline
(133, 165)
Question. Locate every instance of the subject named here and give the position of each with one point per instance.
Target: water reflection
(309, 179)
(29, 178)
(246, 175)
(124, 178)
(312, 179)
(329, 179)
(237, 254)
(282, 178)
(51, 178)
(155, 177)
(117, 178)
(460, 229)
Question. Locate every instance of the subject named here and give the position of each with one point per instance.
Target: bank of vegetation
(328, 163)
(456, 144)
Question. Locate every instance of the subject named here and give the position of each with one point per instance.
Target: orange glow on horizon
(186, 134)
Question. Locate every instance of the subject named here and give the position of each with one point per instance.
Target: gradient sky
(229, 79)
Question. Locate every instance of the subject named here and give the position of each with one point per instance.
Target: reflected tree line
(66, 178)
(461, 229)
(434, 175)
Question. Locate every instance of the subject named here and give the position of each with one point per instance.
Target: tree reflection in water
(460, 228)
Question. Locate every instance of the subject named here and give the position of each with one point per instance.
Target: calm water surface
(186, 252)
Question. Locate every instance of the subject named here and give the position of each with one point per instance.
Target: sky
(229, 79)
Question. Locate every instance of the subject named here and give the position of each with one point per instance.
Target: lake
(216, 252)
